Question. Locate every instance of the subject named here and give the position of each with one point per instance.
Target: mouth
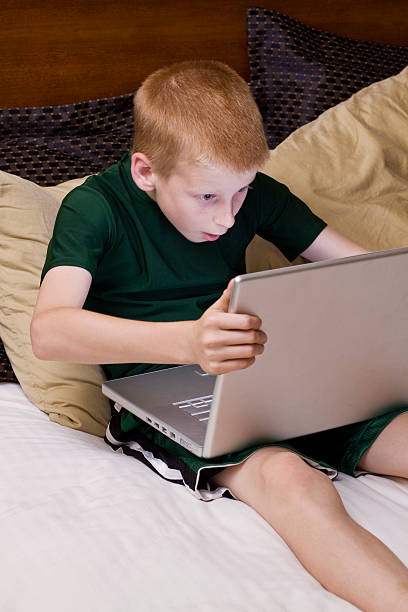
(211, 237)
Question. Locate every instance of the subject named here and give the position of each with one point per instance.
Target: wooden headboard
(67, 51)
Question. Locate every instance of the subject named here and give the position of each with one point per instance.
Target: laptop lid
(337, 350)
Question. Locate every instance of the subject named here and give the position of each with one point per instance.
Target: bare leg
(303, 506)
(389, 453)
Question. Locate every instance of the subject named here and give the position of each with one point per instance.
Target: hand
(223, 341)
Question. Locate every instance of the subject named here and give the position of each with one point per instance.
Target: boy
(134, 279)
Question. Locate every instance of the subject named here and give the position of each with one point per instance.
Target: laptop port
(164, 430)
(157, 425)
(172, 435)
(148, 420)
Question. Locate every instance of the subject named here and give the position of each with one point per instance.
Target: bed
(83, 527)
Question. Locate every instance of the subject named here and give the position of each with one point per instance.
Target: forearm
(81, 336)
(330, 244)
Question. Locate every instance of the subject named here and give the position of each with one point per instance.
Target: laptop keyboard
(197, 407)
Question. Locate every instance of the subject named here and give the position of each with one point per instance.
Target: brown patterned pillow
(51, 144)
(297, 71)
(6, 371)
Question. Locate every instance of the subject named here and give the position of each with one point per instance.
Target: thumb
(223, 302)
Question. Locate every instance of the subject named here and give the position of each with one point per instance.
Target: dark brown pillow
(297, 72)
(6, 371)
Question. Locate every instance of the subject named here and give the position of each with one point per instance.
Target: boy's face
(201, 201)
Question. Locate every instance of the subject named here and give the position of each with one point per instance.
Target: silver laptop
(337, 353)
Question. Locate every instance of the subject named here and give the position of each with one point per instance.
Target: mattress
(85, 528)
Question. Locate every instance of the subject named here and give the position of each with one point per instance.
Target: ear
(142, 173)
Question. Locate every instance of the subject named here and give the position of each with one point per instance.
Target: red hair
(198, 111)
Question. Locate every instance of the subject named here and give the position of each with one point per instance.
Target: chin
(192, 238)
(197, 240)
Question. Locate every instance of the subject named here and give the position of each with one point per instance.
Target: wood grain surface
(62, 52)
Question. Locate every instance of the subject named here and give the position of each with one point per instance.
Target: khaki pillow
(69, 393)
(350, 166)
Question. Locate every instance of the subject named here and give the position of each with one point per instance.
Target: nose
(224, 215)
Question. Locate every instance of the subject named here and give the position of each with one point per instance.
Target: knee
(287, 477)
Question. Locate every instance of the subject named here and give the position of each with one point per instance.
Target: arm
(62, 331)
(330, 244)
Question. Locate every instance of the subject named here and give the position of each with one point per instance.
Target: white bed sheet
(83, 528)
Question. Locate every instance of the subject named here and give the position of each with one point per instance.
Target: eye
(245, 188)
(206, 197)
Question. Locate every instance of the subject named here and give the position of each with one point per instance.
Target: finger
(233, 337)
(224, 367)
(229, 320)
(253, 336)
(238, 351)
(223, 302)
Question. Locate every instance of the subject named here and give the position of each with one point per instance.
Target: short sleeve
(283, 218)
(82, 231)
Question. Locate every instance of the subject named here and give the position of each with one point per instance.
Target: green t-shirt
(143, 269)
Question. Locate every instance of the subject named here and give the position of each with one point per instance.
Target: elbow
(38, 335)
